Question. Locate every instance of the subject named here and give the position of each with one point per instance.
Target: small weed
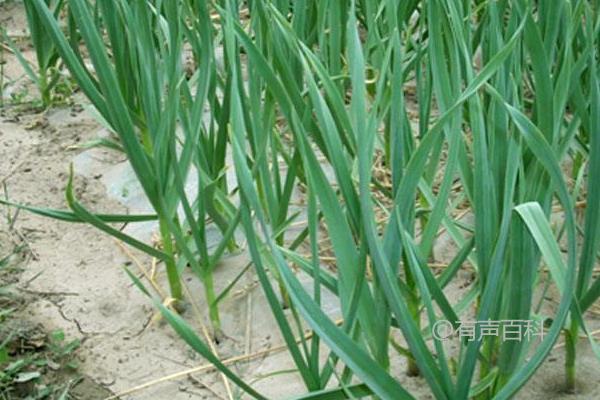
(33, 365)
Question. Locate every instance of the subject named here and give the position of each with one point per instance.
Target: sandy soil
(74, 279)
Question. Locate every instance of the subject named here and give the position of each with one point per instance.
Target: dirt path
(75, 276)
